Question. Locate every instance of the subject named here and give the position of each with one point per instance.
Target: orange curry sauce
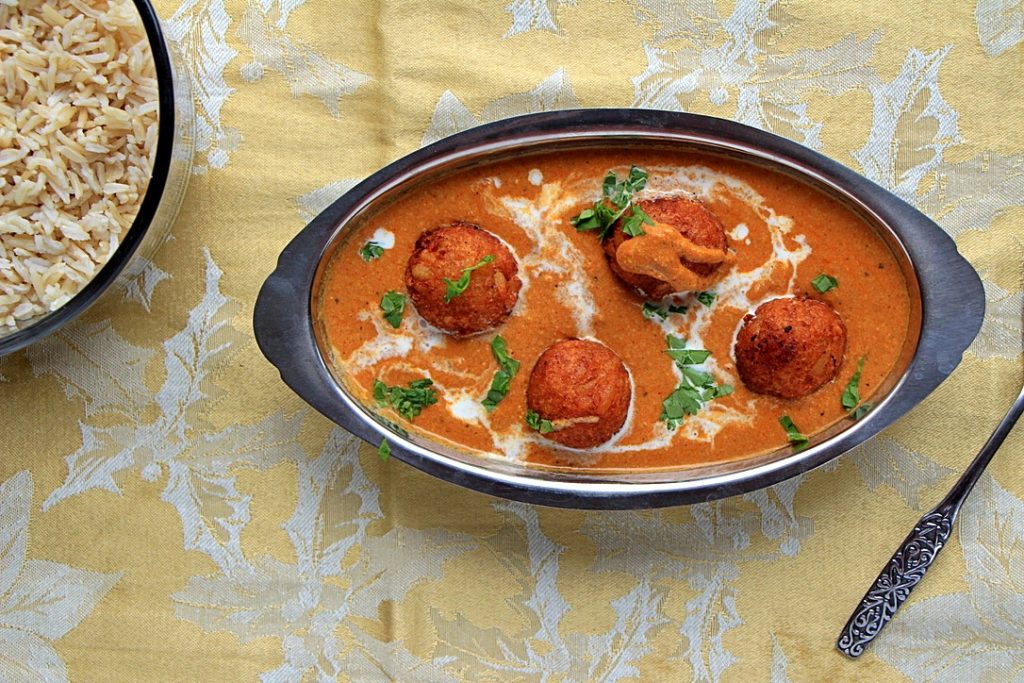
(784, 234)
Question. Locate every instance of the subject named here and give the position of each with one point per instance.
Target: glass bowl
(164, 194)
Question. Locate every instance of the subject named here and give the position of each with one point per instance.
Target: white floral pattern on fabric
(40, 601)
(883, 461)
(317, 604)
(1000, 24)
(307, 72)
(312, 203)
(534, 15)
(1001, 331)
(709, 553)
(545, 653)
(893, 156)
(780, 664)
(198, 31)
(969, 195)
(451, 115)
(140, 280)
(733, 59)
(197, 465)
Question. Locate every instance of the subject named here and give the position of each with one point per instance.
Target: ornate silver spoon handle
(918, 551)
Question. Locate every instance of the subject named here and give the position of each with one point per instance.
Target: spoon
(918, 551)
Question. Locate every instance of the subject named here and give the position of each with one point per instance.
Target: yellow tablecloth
(170, 511)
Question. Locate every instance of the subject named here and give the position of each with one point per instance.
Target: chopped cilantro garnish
(408, 403)
(721, 390)
(674, 342)
(634, 225)
(706, 298)
(384, 450)
(862, 410)
(619, 193)
(824, 282)
(371, 251)
(535, 422)
(393, 304)
(678, 352)
(457, 287)
(652, 310)
(697, 377)
(694, 389)
(798, 440)
(851, 394)
(508, 367)
(684, 400)
(689, 356)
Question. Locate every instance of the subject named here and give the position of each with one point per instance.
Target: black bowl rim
(952, 307)
(49, 323)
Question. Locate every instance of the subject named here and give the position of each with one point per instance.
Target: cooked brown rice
(78, 129)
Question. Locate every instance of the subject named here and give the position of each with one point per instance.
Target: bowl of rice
(95, 152)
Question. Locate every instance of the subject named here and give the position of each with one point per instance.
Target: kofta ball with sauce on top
(691, 259)
(790, 347)
(583, 388)
(444, 253)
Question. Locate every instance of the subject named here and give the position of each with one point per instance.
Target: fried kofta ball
(444, 253)
(790, 347)
(583, 388)
(692, 219)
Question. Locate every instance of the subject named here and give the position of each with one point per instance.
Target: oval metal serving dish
(947, 305)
